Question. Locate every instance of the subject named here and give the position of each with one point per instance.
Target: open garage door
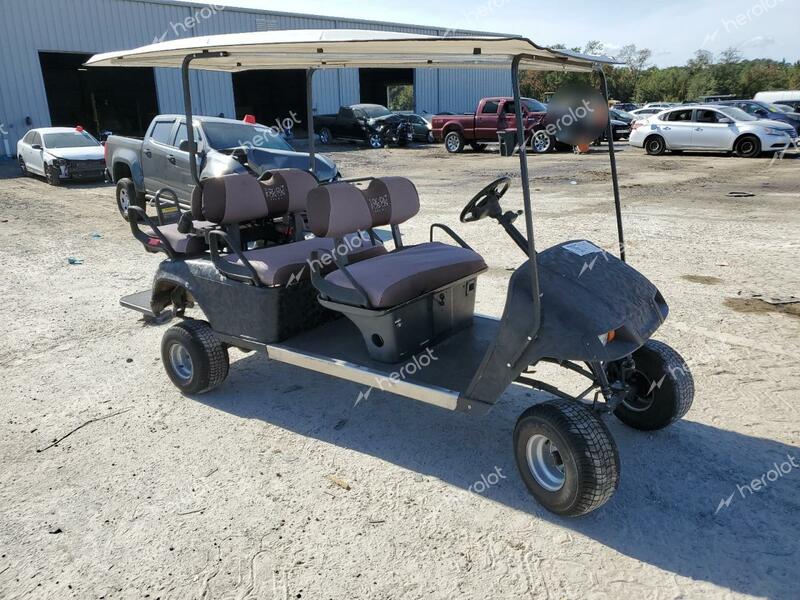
(393, 88)
(271, 96)
(122, 101)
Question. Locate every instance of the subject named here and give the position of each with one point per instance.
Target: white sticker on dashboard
(581, 248)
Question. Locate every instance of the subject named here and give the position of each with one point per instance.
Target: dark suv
(765, 110)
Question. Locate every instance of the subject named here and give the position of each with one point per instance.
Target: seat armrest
(159, 207)
(451, 233)
(246, 272)
(159, 242)
(356, 296)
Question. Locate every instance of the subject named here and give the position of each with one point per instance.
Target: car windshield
(375, 112)
(737, 114)
(222, 135)
(534, 105)
(69, 139)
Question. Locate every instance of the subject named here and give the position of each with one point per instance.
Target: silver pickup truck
(141, 167)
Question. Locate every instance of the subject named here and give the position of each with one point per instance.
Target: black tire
(581, 449)
(477, 147)
(127, 195)
(24, 168)
(748, 146)
(207, 364)
(52, 174)
(662, 388)
(325, 136)
(431, 138)
(655, 145)
(454, 142)
(542, 142)
(375, 140)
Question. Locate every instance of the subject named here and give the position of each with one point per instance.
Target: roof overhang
(343, 48)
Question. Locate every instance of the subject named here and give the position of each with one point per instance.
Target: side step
(140, 302)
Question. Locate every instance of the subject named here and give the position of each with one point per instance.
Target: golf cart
(298, 269)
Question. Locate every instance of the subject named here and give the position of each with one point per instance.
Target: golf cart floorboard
(438, 379)
(140, 302)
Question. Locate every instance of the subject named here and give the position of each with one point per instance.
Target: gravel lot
(276, 486)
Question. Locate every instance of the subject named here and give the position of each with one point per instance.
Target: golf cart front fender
(593, 308)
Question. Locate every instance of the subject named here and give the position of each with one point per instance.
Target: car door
(486, 121)
(346, 125)
(677, 128)
(180, 175)
(35, 160)
(155, 149)
(709, 133)
(420, 127)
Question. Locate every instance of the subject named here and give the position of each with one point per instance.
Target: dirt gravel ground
(277, 486)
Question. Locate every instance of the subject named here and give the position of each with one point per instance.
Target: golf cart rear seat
(401, 301)
(240, 197)
(183, 236)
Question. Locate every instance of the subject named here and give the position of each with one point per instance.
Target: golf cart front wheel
(661, 387)
(566, 457)
(194, 358)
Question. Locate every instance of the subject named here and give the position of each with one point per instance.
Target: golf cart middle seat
(402, 301)
(240, 197)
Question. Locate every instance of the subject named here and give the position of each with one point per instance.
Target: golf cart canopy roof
(340, 48)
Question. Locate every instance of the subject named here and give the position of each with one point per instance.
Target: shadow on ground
(665, 512)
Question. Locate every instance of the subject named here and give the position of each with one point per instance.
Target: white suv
(713, 128)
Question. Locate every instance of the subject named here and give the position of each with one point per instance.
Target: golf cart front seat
(240, 197)
(401, 300)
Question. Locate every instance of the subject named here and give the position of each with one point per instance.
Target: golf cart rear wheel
(655, 145)
(661, 388)
(566, 457)
(194, 358)
(454, 142)
(748, 146)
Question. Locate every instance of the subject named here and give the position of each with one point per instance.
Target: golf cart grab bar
(229, 269)
(157, 202)
(449, 232)
(137, 214)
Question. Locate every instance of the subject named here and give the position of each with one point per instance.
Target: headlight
(774, 131)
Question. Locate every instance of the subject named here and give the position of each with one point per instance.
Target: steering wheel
(486, 202)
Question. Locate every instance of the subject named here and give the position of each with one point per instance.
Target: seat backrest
(337, 209)
(240, 197)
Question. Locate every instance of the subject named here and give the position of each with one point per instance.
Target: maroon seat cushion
(406, 274)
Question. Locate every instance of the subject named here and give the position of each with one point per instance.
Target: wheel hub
(181, 362)
(641, 392)
(545, 462)
(124, 201)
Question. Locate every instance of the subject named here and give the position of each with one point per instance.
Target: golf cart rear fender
(578, 307)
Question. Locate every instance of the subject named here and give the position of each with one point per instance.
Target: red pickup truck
(493, 115)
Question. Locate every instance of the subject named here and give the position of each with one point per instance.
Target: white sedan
(712, 128)
(60, 153)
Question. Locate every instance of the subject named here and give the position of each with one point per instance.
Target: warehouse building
(45, 43)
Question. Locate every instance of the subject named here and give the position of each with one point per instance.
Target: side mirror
(184, 146)
(725, 121)
(36, 147)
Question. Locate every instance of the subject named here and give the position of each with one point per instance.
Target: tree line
(637, 80)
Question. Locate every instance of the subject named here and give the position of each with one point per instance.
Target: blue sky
(672, 30)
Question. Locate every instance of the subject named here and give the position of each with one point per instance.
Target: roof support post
(187, 107)
(526, 188)
(312, 159)
(613, 159)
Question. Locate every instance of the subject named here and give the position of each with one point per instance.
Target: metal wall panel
(91, 26)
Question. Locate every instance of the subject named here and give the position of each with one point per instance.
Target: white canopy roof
(337, 48)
